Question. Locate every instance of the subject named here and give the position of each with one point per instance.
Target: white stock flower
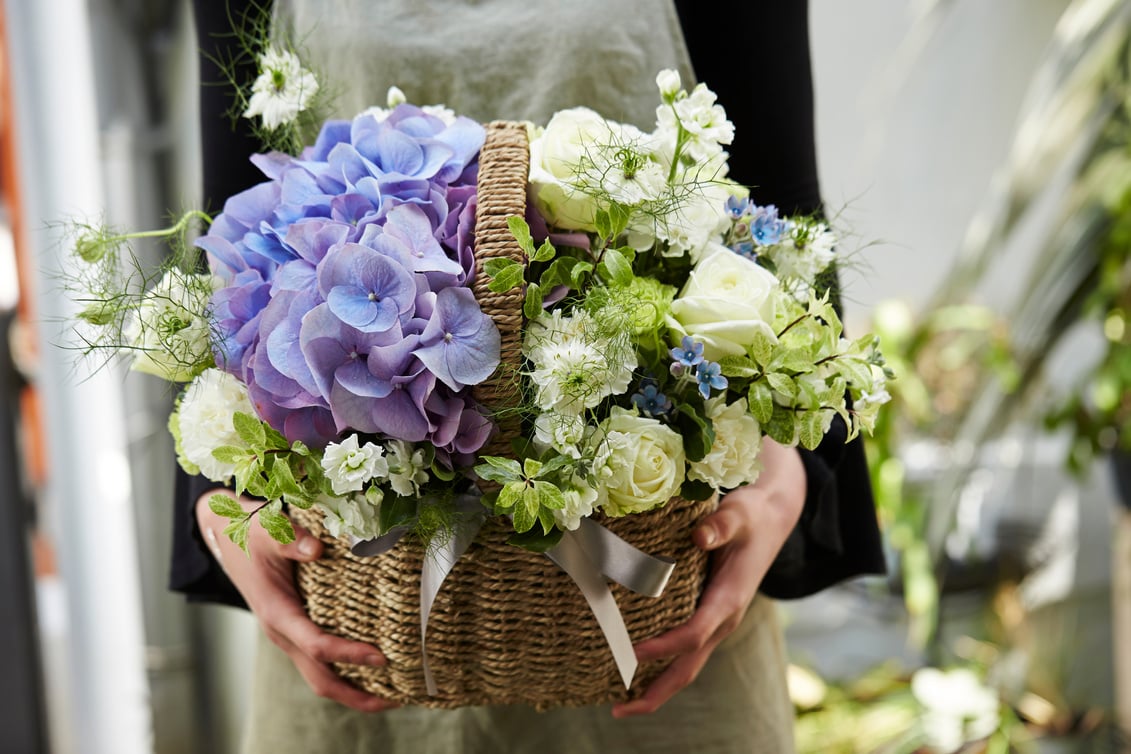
(349, 465)
(406, 468)
(647, 469)
(356, 515)
(727, 300)
(668, 83)
(579, 503)
(704, 122)
(282, 91)
(562, 432)
(733, 459)
(205, 418)
(958, 707)
(170, 334)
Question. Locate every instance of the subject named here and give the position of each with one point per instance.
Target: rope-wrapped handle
(504, 165)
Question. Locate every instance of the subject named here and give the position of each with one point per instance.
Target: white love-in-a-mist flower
(349, 465)
(282, 91)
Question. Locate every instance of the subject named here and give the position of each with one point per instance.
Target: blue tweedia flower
(744, 249)
(650, 400)
(709, 375)
(688, 354)
(766, 227)
(737, 206)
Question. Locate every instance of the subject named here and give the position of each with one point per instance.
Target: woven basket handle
(504, 165)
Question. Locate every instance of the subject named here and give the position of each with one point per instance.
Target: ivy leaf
(506, 278)
(536, 541)
(546, 518)
(532, 306)
(509, 495)
(544, 253)
(521, 232)
(250, 430)
(761, 401)
(226, 506)
(531, 467)
(499, 469)
(549, 496)
(615, 268)
(276, 524)
(697, 430)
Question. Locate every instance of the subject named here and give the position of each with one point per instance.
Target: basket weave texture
(508, 626)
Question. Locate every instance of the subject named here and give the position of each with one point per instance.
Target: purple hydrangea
(345, 304)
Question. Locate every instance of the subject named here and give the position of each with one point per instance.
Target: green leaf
(797, 360)
(546, 518)
(762, 348)
(531, 467)
(618, 219)
(246, 470)
(495, 265)
(811, 429)
(614, 268)
(231, 454)
(536, 541)
(697, 430)
(603, 224)
(284, 479)
(509, 495)
(508, 277)
(275, 439)
(579, 272)
(237, 531)
(250, 430)
(558, 273)
(693, 489)
(526, 510)
(532, 306)
(276, 524)
(807, 395)
(761, 401)
(783, 384)
(782, 426)
(549, 496)
(739, 367)
(443, 473)
(521, 232)
(226, 506)
(396, 511)
(301, 500)
(858, 373)
(298, 447)
(499, 469)
(544, 253)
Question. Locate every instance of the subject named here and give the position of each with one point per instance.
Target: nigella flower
(709, 375)
(766, 227)
(737, 206)
(687, 355)
(650, 400)
(282, 91)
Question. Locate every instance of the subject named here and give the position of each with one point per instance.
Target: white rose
(733, 459)
(727, 300)
(205, 419)
(171, 334)
(649, 467)
(349, 465)
(557, 158)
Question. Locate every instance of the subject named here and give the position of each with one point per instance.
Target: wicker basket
(508, 626)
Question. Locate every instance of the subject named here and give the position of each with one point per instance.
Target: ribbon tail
(438, 563)
(620, 561)
(571, 557)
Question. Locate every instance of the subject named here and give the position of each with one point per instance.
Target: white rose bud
(556, 161)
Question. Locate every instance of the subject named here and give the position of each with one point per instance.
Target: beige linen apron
(516, 60)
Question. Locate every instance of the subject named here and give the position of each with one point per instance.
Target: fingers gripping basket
(508, 626)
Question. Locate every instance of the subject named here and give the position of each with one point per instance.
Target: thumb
(305, 547)
(723, 526)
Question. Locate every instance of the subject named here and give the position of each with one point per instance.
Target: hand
(265, 578)
(744, 536)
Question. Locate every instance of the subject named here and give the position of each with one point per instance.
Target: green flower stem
(680, 142)
(794, 323)
(176, 229)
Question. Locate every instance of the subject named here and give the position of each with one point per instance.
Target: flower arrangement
(331, 347)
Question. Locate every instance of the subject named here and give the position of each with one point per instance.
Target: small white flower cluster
(802, 256)
(205, 421)
(170, 334)
(357, 473)
(283, 89)
(672, 178)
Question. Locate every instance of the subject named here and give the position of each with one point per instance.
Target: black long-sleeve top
(837, 536)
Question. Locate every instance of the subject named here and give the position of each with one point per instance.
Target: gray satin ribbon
(590, 555)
